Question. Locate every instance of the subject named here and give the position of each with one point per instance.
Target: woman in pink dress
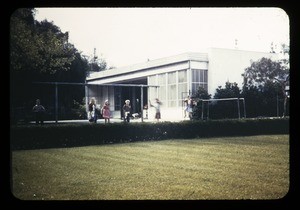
(106, 112)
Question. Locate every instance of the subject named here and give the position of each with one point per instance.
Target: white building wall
(167, 113)
(222, 64)
(229, 65)
(199, 65)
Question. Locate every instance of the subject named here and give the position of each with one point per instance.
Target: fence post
(142, 102)
(238, 104)
(244, 108)
(56, 103)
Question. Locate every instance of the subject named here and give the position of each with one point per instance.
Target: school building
(170, 79)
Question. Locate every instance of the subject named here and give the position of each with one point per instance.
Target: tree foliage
(56, 52)
(231, 90)
(263, 71)
(97, 64)
(23, 51)
(41, 52)
(266, 74)
(201, 93)
(37, 47)
(225, 109)
(263, 101)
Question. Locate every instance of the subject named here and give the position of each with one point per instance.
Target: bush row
(71, 135)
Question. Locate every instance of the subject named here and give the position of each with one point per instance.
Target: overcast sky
(125, 36)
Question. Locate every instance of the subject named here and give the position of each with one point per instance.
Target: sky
(126, 36)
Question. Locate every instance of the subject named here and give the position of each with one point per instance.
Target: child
(106, 112)
(156, 105)
(126, 111)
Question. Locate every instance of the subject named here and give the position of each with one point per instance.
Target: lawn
(252, 167)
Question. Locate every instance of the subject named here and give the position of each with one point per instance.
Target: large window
(172, 89)
(182, 86)
(162, 87)
(199, 78)
(152, 91)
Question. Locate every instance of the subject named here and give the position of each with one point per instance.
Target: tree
(263, 101)
(55, 51)
(228, 108)
(23, 51)
(231, 90)
(201, 93)
(265, 72)
(41, 52)
(97, 64)
(37, 47)
(38, 51)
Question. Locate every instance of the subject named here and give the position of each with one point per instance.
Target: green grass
(253, 167)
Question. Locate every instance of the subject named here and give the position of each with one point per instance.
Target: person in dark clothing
(92, 114)
(39, 111)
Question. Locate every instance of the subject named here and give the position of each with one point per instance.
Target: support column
(207, 110)
(142, 102)
(86, 90)
(244, 108)
(189, 78)
(202, 110)
(56, 103)
(238, 104)
(133, 103)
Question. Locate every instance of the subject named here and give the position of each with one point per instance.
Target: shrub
(71, 135)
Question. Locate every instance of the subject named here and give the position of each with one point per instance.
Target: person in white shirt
(156, 105)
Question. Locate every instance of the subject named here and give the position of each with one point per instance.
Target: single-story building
(171, 79)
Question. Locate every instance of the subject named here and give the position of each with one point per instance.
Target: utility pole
(236, 44)
(93, 59)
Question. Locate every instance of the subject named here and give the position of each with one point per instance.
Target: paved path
(101, 121)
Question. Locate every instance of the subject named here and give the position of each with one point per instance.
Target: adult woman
(92, 115)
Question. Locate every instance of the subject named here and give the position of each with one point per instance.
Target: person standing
(39, 110)
(189, 104)
(106, 111)
(127, 110)
(92, 115)
(156, 105)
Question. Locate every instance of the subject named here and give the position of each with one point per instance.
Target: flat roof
(194, 56)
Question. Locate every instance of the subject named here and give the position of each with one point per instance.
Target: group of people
(127, 111)
(105, 111)
(94, 112)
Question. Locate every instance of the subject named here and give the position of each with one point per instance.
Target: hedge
(71, 135)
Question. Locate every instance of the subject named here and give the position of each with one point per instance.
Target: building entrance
(134, 95)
